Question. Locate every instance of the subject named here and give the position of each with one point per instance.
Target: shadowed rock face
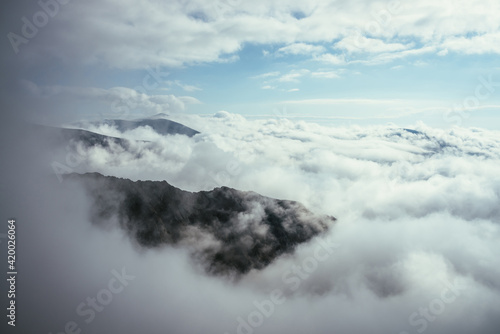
(229, 231)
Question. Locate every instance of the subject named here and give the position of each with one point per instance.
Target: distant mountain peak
(159, 125)
(159, 115)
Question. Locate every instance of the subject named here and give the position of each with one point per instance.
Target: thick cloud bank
(414, 250)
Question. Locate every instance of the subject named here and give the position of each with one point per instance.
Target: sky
(331, 62)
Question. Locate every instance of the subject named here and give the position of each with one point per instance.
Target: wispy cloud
(185, 87)
(332, 59)
(325, 74)
(266, 75)
(293, 76)
(301, 49)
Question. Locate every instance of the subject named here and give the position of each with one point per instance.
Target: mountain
(160, 125)
(229, 232)
(58, 137)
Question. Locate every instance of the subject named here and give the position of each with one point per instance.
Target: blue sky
(338, 62)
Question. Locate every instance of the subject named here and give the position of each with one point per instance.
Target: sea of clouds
(415, 248)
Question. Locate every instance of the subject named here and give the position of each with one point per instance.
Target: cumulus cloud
(176, 33)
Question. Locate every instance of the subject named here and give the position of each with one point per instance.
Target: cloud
(273, 80)
(266, 75)
(417, 230)
(387, 57)
(114, 102)
(187, 88)
(177, 33)
(292, 76)
(359, 43)
(342, 101)
(331, 59)
(481, 44)
(397, 67)
(443, 52)
(300, 49)
(325, 74)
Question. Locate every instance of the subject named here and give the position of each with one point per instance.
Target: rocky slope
(229, 232)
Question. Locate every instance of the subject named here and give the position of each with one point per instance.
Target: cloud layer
(174, 33)
(413, 250)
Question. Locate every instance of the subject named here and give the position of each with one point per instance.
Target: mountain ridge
(228, 231)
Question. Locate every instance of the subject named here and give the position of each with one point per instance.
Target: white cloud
(266, 75)
(341, 101)
(301, 49)
(114, 102)
(388, 57)
(187, 88)
(331, 59)
(485, 43)
(325, 74)
(443, 52)
(359, 43)
(293, 76)
(290, 77)
(126, 35)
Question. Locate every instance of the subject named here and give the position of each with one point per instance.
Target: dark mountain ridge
(159, 125)
(229, 231)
